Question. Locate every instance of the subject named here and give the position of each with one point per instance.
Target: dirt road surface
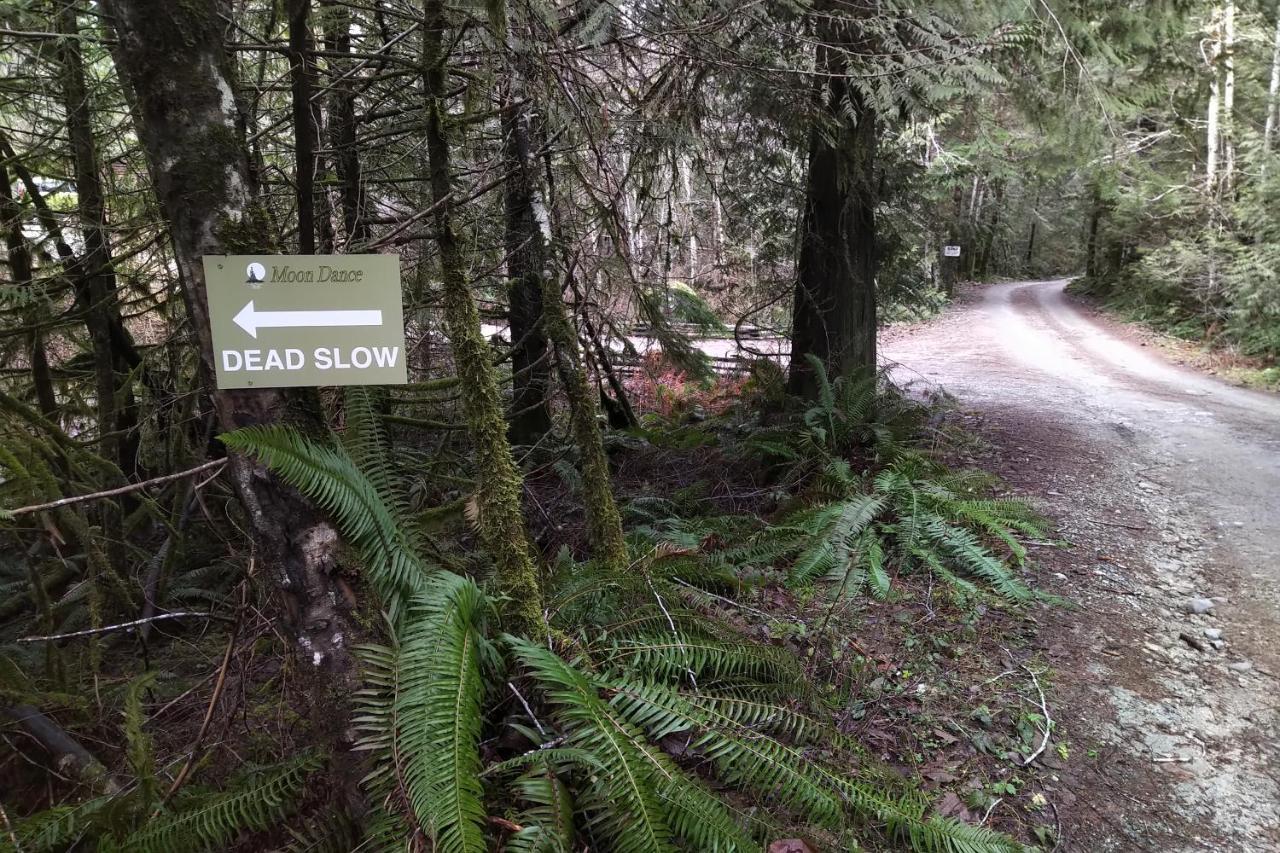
(1166, 484)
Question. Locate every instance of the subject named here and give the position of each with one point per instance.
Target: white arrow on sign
(251, 321)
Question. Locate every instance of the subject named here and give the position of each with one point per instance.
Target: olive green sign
(288, 320)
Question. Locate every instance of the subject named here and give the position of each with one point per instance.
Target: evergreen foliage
(601, 700)
(606, 690)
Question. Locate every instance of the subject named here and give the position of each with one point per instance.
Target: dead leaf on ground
(789, 845)
(952, 806)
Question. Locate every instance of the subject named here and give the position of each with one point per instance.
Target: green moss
(604, 522)
(250, 234)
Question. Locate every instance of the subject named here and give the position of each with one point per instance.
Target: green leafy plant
(864, 415)
(630, 669)
(193, 822)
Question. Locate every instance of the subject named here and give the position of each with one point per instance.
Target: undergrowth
(642, 719)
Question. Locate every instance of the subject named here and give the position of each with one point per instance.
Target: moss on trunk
(498, 516)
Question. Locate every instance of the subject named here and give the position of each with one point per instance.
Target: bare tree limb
(123, 626)
(132, 487)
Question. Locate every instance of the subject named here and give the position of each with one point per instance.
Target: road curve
(1029, 343)
(1178, 473)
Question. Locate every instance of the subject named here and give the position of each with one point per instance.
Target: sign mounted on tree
(288, 320)
(950, 251)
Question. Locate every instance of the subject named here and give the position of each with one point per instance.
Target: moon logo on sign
(255, 273)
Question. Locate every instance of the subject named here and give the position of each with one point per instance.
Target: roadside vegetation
(578, 584)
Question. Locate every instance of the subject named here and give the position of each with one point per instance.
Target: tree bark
(604, 523)
(192, 133)
(18, 253)
(304, 131)
(92, 272)
(690, 223)
(1091, 270)
(526, 268)
(68, 755)
(1273, 92)
(834, 315)
(1228, 95)
(497, 514)
(342, 125)
(989, 233)
(1212, 130)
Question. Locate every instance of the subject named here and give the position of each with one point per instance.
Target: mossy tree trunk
(192, 132)
(604, 524)
(834, 313)
(301, 74)
(989, 233)
(21, 275)
(499, 519)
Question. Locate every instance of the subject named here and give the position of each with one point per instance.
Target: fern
(634, 635)
(676, 655)
(832, 533)
(439, 715)
(547, 824)
(56, 829)
(639, 800)
(138, 743)
(419, 714)
(797, 778)
(367, 518)
(210, 822)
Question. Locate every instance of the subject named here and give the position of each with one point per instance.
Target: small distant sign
(951, 251)
(282, 321)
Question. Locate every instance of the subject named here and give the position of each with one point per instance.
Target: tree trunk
(989, 233)
(1273, 92)
(1091, 242)
(91, 271)
(304, 131)
(1212, 131)
(1031, 238)
(342, 125)
(497, 503)
(690, 222)
(1228, 95)
(834, 316)
(526, 268)
(21, 276)
(192, 133)
(604, 523)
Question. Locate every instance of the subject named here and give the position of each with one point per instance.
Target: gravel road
(1167, 484)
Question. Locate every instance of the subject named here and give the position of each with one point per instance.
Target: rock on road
(1167, 484)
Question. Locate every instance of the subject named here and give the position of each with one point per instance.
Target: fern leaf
(547, 823)
(970, 555)
(328, 477)
(213, 822)
(621, 804)
(439, 714)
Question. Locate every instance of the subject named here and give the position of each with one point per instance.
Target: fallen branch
(1048, 721)
(110, 493)
(67, 753)
(123, 626)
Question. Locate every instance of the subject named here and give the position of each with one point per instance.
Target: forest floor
(1165, 483)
